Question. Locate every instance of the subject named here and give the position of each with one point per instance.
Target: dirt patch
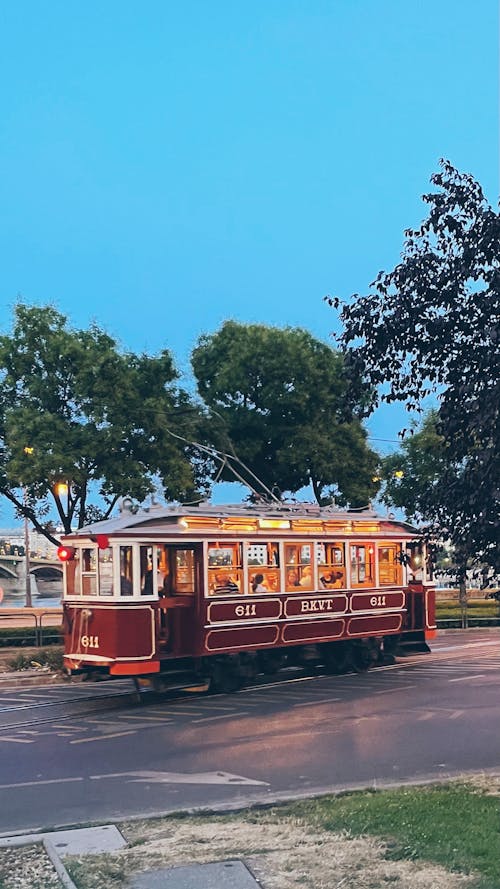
(281, 852)
(27, 867)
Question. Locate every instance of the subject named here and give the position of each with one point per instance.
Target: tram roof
(159, 519)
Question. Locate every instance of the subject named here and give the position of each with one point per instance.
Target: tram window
(89, 572)
(73, 575)
(331, 565)
(225, 576)
(361, 564)
(263, 567)
(105, 572)
(183, 581)
(149, 567)
(298, 566)
(126, 571)
(389, 564)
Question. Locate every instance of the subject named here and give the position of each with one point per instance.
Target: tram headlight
(65, 553)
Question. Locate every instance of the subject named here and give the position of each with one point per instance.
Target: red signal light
(65, 553)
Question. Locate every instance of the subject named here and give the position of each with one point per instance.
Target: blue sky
(166, 166)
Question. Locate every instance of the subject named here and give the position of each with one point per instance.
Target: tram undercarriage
(226, 673)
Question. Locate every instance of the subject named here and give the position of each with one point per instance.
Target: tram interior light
(65, 553)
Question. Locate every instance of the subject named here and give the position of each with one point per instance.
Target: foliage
(279, 398)
(76, 410)
(431, 823)
(431, 325)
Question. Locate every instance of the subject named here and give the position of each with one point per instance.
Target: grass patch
(43, 657)
(450, 608)
(456, 825)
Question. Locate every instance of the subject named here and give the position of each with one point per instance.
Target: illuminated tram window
(389, 564)
(331, 564)
(299, 566)
(225, 574)
(362, 564)
(263, 568)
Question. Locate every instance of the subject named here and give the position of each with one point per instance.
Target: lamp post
(27, 566)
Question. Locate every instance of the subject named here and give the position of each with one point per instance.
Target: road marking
(17, 740)
(181, 778)
(313, 703)
(467, 678)
(236, 714)
(102, 737)
(164, 720)
(40, 783)
(456, 714)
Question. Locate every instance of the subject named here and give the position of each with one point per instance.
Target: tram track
(46, 711)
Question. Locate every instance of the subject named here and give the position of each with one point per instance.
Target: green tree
(431, 325)
(76, 410)
(279, 397)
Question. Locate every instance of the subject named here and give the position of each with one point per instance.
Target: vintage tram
(217, 594)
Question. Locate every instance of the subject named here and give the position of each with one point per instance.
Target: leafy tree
(278, 397)
(75, 410)
(431, 325)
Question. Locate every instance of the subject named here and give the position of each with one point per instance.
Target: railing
(41, 626)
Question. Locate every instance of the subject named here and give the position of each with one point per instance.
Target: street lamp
(61, 489)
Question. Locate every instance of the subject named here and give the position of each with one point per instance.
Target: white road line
(313, 703)
(102, 737)
(234, 715)
(467, 678)
(17, 740)
(40, 783)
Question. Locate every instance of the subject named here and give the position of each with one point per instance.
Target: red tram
(219, 594)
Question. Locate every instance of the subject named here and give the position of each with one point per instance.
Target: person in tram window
(306, 579)
(292, 578)
(225, 584)
(258, 584)
(333, 579)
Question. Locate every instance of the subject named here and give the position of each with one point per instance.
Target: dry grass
(281, 852)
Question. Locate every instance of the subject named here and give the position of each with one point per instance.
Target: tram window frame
(396, 565)
(296, 562)
(356, 565)
(125, 571)
(330, 557)
(105, 557)
(220, 577)
(89, 583)
(263, 560)
(177, 579)
(73, 576)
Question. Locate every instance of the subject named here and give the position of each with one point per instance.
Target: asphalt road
(427, 717)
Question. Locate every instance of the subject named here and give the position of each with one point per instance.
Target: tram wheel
(337, 657)
(363, 656)
(225, 675)
(270, 662)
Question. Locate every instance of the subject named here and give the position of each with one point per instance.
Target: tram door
(180, 570)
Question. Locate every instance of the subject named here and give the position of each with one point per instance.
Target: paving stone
(218, 875)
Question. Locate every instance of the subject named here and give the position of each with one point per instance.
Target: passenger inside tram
(225, 584)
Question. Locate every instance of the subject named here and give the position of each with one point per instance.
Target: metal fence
(30, 627)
